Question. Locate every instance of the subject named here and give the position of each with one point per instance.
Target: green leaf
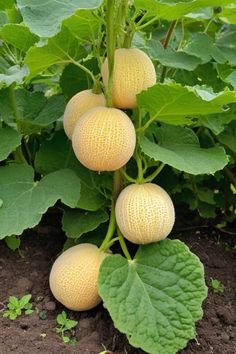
(64, 48)
(29, 312)
(75, 223)
(25, 201)
(201, 45)
(226, 42)
(174, 104)
(70, 324)
(172, 10)
(79, 80)
(90, 199)
(66, 339)
(35, 110)
(14, 74)
(228, 136)
(24, 300)
(228, 14)
(57, 153)
(170, 57)
(217, 122)
(13, 301)
(13, 242)
(156, 298)
(19, 36)
(6, 4)
(44, 18)
(84, 25)
(62, 318)
(179, 147)
(9, 140)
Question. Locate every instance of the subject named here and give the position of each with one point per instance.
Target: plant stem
(165, 45)
(126, 176)
(110, 47)
(140, 166)
(82, 67)
(123, 245)
(97, 86)
(139, 27)
(230, 175)
(154, 174)
(112, 223)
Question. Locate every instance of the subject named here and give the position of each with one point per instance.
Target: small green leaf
(65, 339)
(75, 223)
(28, 312)
(156, 298)
(70, 324)
(14, 74)
(13, 242)
(13, 301)
(179, 147)
(12, 316)
(24, 300)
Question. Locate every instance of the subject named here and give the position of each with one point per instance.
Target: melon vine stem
(165, 45)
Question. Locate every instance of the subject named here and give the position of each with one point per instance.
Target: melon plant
(146, 129)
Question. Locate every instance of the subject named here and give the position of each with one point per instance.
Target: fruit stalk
(110, 47)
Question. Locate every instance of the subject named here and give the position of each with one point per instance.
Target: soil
(216, 332)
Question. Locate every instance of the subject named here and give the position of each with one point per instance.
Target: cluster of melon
(104, 139)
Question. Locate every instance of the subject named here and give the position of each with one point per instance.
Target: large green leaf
(44, 17)
(24, 201)
(172, 58)
(64, 48)
(18, 35)
(9, 140)
(171, 10)
(228, 14)
(174, 104)
(75, 223)
(156, 298)
(179, 147)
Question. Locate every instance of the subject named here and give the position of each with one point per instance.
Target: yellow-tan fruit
(144, 213)
(78, 105)
(74, 275)
(133, 73)
(104, 139)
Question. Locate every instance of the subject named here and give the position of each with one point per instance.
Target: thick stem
(97, 87)
(12, 97)
(139, 166)
(110, 47)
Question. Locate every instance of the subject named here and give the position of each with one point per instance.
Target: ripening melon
(144, 213)
(104, 139)
(78, 105)
(133, 73)
(74, 276)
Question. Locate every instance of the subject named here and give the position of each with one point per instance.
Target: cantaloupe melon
(104, 139)
(78, 105)
(74, 275)
(144, 213)
(133, 73)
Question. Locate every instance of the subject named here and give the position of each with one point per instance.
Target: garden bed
(29, 274)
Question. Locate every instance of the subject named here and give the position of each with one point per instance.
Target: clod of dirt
(50, 306)
(24, 285)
